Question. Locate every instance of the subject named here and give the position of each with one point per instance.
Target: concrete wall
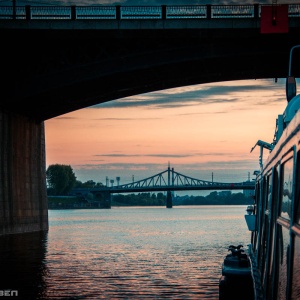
(23, 194)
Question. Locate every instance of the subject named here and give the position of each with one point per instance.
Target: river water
(123, 253)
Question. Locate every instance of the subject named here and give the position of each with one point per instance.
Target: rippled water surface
(124, 253)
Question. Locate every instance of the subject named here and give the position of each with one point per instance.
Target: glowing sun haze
(199, 129)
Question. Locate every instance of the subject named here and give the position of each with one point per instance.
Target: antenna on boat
(262, 145)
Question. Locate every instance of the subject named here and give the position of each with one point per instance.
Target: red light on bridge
(274, 19)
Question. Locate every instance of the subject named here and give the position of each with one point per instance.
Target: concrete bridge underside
(48, 72)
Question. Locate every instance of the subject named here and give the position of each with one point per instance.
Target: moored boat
(274, 250)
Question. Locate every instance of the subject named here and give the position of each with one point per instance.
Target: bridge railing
(136, 12)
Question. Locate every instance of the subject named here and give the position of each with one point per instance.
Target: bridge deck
(136, 24)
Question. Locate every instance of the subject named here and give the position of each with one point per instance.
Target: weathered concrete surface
(23, 193)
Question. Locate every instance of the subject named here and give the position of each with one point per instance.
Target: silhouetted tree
(60, 179)
(88, 184)
(78, 184)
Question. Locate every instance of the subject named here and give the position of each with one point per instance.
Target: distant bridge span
(170, 180)
(166, 181)
(217, 186)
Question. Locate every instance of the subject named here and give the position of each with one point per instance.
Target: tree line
(159, 199)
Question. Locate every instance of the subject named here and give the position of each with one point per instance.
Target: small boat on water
(269, 268)
(236, 275)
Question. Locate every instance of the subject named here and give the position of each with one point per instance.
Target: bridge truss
(170, 180)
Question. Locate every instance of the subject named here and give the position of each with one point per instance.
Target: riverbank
(147, 199)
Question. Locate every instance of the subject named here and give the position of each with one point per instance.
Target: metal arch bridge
(166, 181)
(170, 180)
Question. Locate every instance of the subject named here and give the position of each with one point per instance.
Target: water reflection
(123, 253)
(22, 261)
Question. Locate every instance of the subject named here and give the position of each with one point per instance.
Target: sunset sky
(199, 130)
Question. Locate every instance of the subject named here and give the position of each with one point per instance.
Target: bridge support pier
(169, 200)
(23, 194)
(107, 200)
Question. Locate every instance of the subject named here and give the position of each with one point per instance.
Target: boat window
(272, 217)
(286, 189)
(257, 203)
(283, 246)
(263, 219)
(295, 294)
(257, 197)
(297, 191)
(269, 193)
(266, 232)
(296, 270)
